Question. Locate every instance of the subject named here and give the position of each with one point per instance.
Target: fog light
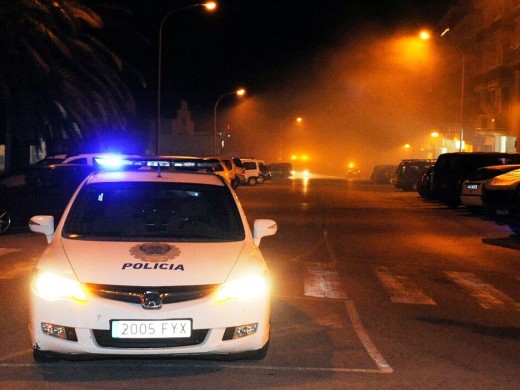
(60, 332)
(240, 331)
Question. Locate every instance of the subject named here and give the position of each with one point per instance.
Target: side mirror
(263, 228)
(43, 224)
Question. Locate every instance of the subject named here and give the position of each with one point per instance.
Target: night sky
(336, 63)
(255, 44)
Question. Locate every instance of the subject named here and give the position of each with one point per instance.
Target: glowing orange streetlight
(209, 6)
(238, 92)
(425, 35)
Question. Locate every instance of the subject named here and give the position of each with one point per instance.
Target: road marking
(322, 281)
(402, 289)
(187, 365)
(486, 295)
(365, 339)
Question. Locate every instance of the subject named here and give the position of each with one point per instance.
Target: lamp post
(425, 36)
(297, 120)
(434, 135)
(210, 6)
(238, 92)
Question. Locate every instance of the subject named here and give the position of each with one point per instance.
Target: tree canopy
(58, 82)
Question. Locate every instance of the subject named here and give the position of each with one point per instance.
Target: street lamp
(434, 135)
(209, 6)
(238, 92)
(297, 120)
(425, 36)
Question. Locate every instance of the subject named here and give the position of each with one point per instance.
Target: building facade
(487, 33)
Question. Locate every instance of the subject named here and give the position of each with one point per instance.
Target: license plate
(502, 211)
(129, 329)
(472, 186)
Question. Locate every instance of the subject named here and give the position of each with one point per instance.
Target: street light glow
(210, 5)
(238, 92)
(425, 35)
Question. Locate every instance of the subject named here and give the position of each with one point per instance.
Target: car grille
(104, 339)
(134, 294)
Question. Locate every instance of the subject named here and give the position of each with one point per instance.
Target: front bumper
(212, 323)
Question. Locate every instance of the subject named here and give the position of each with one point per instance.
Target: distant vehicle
(424, 183)
(471, 191)
(408, 173)
(280, 170)
(451, 169)
(38, 189)
(252, 174)
(264, 171)
(232, 168)
(501, 198)
(53, 159)
(90, 158)
(382, 174)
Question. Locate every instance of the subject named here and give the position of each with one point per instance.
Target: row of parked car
(484, 182)
(47, 186)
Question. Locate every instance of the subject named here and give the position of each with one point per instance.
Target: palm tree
(57, 81)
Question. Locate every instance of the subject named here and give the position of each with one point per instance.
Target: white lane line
(486, 295)
(365, 339)
(402, 289)
(148, 366)
(322, 281)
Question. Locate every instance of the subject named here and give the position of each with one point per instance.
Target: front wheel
(260, 179)
(5, 221)
(251, 181)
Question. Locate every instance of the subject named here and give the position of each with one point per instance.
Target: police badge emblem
(155, 252)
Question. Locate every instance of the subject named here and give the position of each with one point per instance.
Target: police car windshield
(149, 211)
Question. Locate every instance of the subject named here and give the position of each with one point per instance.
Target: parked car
(91, 158)
(409, 171)
(451, 169)
(149, 264)
(501, 198)
(280, 170)
(424, 183)
(38, 189)
(252, 174)
(381, 174)
(471, 191)
(264, 171)
(232, 168)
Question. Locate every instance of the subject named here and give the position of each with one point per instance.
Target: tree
(58, 83)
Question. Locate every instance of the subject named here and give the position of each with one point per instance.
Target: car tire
(260, 179)
(251, 181)
(5, 221)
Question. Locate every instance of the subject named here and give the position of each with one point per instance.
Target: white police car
(151, 261)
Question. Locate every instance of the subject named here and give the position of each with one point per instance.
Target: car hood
(510, 180)
(151, 263)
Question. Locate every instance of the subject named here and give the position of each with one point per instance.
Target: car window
(238, 162)
(154, 212)
(250, 165)
(82, 160)
(228, 164)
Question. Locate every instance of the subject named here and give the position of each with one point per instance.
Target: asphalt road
(373, 288)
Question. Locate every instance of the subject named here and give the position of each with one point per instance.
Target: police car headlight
(247, 288)
(54, 287)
